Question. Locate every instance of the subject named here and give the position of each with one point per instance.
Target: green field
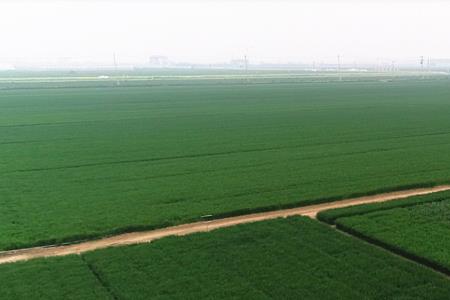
(419, 231)
(192, 77)
(330, 216)
(82, 163)
(295, 258)
(55, 278)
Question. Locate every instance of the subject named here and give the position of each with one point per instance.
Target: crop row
(419, 232)
(83, 163)
(286, 258)
(330, 216)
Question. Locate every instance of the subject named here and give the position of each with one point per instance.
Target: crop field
(284, 258)
(83, 163)
(419, 231)
(189, 77)
(330, 216)
(45, 279)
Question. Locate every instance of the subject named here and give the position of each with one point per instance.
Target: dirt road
(148, 236)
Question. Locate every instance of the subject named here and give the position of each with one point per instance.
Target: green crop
(331, 215)
(420, 232)
(294, 258)
(45, 279)
(83, 163)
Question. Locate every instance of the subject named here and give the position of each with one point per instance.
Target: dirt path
(148, 236)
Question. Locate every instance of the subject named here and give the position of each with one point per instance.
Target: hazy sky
(214, 31)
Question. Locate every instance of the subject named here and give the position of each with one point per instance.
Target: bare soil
(148, 236)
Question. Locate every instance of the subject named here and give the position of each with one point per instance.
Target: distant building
(158, 61)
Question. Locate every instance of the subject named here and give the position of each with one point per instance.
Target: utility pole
(421, 67)
(246, 68)
(245, 63)
(115, 61)
(339, 67)
(115, 68)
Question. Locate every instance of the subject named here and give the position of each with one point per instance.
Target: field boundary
(331, 216)
(99, 279)
(394, 249)
(205, 226)
(85, 237)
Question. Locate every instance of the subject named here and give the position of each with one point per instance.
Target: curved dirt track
(148, 236)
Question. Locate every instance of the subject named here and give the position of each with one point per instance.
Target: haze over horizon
(36, 31)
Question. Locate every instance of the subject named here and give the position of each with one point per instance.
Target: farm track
(203, 226)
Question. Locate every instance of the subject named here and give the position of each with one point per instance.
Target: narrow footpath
(185, 229)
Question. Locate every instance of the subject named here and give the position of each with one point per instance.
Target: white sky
(218, 30)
